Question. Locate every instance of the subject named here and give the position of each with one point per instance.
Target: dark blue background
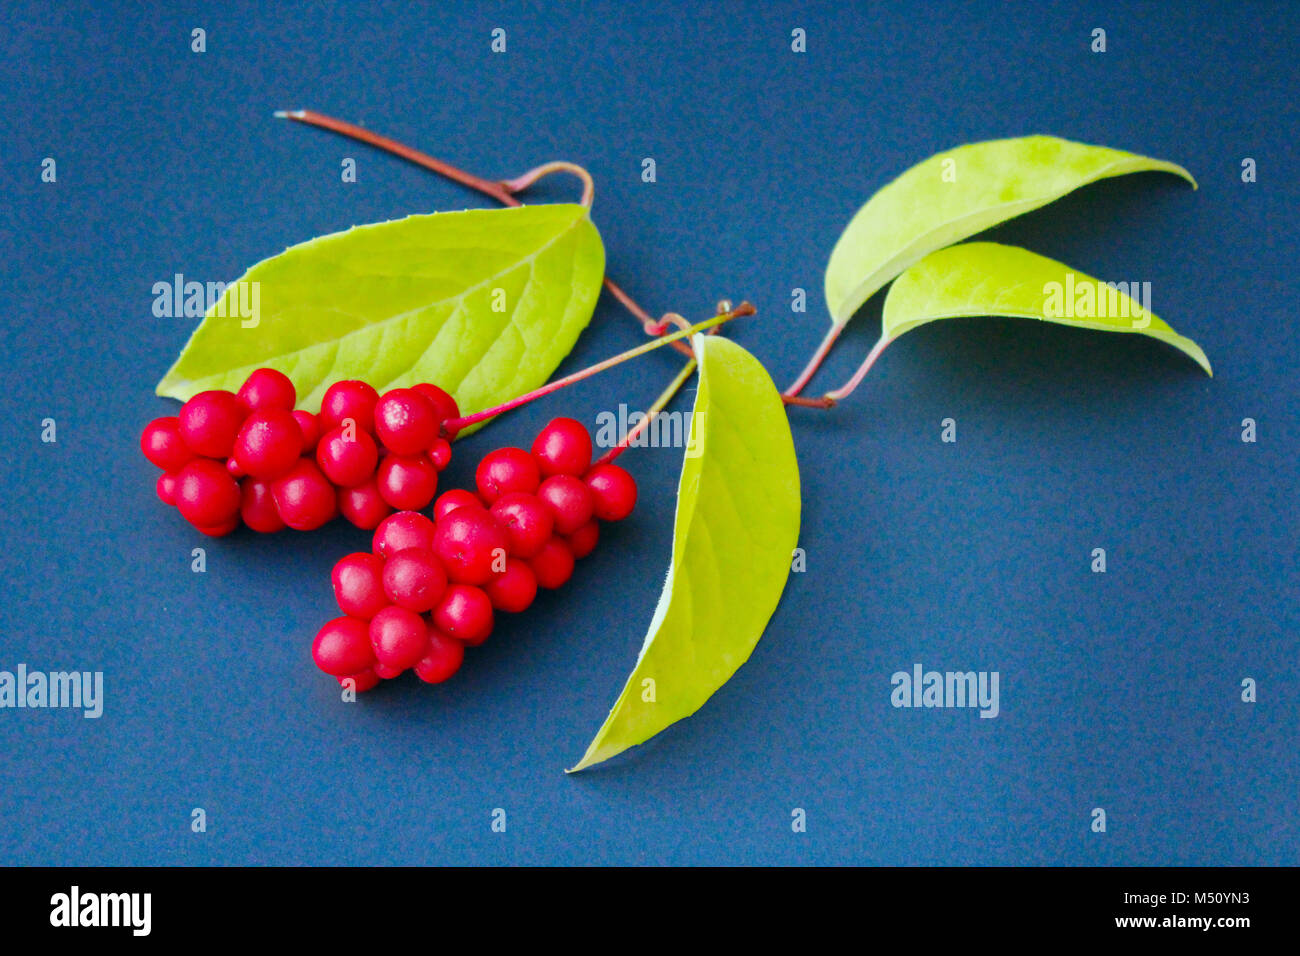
(1118, 690)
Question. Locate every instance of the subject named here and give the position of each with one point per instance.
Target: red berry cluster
(252, 458)
(429, 588)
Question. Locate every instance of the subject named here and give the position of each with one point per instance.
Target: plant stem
(660, 403)
(823, 402)
(310, 117)
(520, 183)
(502, 192)
(455, 424)
(815, 362)
(845, 390)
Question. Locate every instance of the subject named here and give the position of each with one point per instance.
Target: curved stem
(520, 183)
(494, 190)
(660, 403)
(815, 362)
(351, 130)
(673, 318)
(456, 424)
(845, 390)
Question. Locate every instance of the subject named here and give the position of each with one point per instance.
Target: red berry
(406, 421)
(206, 494)
(347, 455)
(583, 541)
(235, 469)
(166, 488)
(310, 427)
(304, 497)
(443, 403)
(440, 453)
(553, 565)
(163, 445)
(526, 521)
(358, 584)
(414, 579)
(613, 492)
(348, 399)
(442, 658)
(399, 638)
(513, 591)
(465, 613)
(219, 530)
(563, 447)
(342, 647)
(407, 482)
(406, 529)
(449, 501)
(268, 388)
(257, 506)
(506, 470)
(366, 680)
(268, 444)
(364, 506)
(210, 421)
(569, 500)
(471, 546)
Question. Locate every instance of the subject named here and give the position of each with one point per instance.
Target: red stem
(815, 362)
(456, 424)
(500, 191)
(845, 390)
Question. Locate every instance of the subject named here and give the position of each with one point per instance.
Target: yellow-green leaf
(734, 535)
(484, 303)
(954, 195)
(987, 278)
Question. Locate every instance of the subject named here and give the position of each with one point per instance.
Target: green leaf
(952, 196)
(484, 303)
(735, 532)
(987, 278)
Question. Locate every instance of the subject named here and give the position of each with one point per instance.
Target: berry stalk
(454, 424)
(658, 406)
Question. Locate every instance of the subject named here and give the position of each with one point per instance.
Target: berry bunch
(252, 458)
(429, 588)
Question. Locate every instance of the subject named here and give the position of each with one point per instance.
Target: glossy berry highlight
(414, 579)
(613, 492)
(267, 388)
(162, 444)
(506, 470)
(210, 421)
(342, 647)
(406, 422)
(471, 546)
(563, 447)
(358, 581)
(348, 399)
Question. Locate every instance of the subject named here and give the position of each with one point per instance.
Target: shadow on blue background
(1119, 691)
